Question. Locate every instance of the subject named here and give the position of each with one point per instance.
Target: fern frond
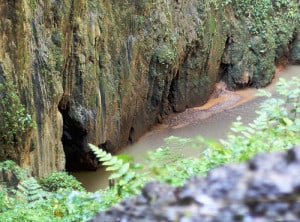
(29, 190)
(124, 175)
(113, 163)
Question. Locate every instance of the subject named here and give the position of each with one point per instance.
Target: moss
(165, 54)
(33, 5)
(267, 29)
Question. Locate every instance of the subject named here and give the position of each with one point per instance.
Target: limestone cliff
(104, 71)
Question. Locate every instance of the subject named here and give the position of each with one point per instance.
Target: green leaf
(287, 121)
(115, 176)
(106, 157)
(124, 168)
(265, 93)
(125, 157)
(113, 161)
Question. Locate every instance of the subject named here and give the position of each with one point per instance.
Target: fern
(124, 178)
(30, 191)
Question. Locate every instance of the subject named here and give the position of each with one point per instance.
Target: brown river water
(212, 120)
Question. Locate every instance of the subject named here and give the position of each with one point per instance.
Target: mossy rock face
(295, 52)
(136, 73)
(259, 36)
(104, 72)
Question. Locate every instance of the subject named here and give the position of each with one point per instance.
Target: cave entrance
(74, 140)
(131, 136)
(174, 94)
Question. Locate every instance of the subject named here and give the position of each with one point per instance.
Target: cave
(131, 136)
(74, 140)
(174, 93)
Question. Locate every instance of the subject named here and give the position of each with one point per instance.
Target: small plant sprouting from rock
(165, 54)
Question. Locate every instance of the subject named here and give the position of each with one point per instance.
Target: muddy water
(211, 120)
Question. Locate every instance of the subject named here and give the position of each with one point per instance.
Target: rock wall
(103, 72)
(30, 76)
(264, 189)
(295, 52)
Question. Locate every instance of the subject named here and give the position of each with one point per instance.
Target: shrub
(14, 120)
(60, 180)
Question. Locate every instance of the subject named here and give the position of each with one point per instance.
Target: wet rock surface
(105, 72)
(264, 189)
(295, 52)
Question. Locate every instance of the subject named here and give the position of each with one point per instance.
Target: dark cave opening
(223, 73)
(131, 136)
(74, 140)
(174, 92)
